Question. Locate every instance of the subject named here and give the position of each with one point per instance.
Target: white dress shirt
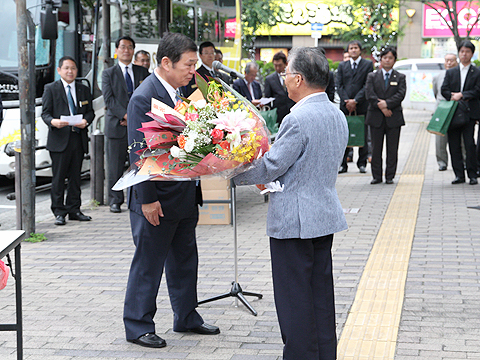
(463, 74)
(72, 91)
(130, 71)
(389, 72)
(355, 61)
(250, 88)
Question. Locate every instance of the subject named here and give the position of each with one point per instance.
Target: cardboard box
(215, 184)
(216, 194)
(213, 214)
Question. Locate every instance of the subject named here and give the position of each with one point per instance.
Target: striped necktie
(129, 82)
(71, 102)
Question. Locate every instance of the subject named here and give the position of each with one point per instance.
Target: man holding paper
(67, 110)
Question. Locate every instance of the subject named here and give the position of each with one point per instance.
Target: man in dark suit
(66, 143)
(462, 84)
(206, 51)
(163, 214)
(118, 83)
(351, 79)
(385, 91)
(275, 87)
(142, 58)
(249, 88)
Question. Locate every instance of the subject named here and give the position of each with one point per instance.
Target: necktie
(212, 73)
(354, 67)
(129, 82)
(283, 83)
(387, 76)
(177, 96)
(71, 102)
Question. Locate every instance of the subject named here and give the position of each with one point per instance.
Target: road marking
(371, 328)
(8, 207)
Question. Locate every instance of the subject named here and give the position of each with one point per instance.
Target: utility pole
(26, 84)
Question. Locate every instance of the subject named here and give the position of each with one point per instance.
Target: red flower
(181, 141)
(217, 135)
(225, 145)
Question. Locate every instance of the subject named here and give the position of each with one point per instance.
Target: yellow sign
(300, 14)
(266, 54)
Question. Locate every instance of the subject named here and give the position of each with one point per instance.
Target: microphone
(217, 65)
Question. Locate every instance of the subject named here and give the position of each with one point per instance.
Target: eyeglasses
(284, 74)
(208, 53)
(123, 47)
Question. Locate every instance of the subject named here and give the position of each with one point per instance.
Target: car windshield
(8, 34)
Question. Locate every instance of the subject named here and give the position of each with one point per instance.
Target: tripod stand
(236, 290)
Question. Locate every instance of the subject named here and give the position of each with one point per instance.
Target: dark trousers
(362, 153)
(455, 146)
(67, 165)
(172, 245)
(392, 135)
(304, 298)
(116, 155)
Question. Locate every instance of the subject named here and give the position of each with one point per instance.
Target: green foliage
(36, 237)
(265, 69)
(143, 15)
(258, 14)
(374, 25)
(333, 65)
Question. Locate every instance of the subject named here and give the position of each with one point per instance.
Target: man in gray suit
(441, 141)
(118, 83)
(304, 216)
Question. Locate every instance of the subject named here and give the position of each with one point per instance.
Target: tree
(258, 14)
(455, 12)
(375, 25)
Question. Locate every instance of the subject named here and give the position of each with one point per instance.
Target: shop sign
(435, 26)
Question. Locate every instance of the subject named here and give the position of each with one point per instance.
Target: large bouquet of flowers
(215, 131)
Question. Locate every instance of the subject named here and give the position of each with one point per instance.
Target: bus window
(208, 26)
(183, 20)
(141, 19)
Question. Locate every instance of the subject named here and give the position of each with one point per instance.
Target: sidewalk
(74, 283)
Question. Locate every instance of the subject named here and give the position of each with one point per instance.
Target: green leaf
(202, 84)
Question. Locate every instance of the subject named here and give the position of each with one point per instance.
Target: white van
(420, 64)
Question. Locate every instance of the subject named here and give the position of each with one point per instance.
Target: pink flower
(217, 135)
(191, 116)
(234, 121)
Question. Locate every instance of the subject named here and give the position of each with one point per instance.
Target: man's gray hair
(251, 65)
(311, 63)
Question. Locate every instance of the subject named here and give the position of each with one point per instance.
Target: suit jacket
(393, 95)
(115, 95)
(330, 90)
(351, 85)
(240, 86)
(55, 104)
(274, 88)
(437, 86)
(178, 198)
(204, 72)
(471, 88)
(309, 206)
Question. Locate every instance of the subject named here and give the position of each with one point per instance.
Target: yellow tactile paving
(371, 328)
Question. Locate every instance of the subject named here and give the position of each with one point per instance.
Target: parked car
(420, 64)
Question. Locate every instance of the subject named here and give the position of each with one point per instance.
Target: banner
(434, 25)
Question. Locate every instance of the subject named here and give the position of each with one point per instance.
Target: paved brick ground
(74, 283)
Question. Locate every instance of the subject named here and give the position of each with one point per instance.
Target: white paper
(265, 101)
(72, 119)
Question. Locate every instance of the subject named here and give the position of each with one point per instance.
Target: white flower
(234, 138)
(178, 153)
(190, 143)
(200, 104)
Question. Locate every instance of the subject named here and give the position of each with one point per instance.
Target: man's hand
(59, 123)
(256, 102)
(152, 212)
(387, 112)
(83, 124)
(123, 122)
(351, 105)
(382, 104)
(456, 96)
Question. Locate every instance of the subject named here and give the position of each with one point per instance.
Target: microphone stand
(236, 290)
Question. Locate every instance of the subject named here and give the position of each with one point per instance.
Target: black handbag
(461, 116)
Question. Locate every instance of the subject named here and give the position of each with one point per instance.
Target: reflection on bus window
(183, 20)
(208, 28)
(141, 20)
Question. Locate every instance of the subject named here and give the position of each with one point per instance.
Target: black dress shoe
(458, 181)
(115, 208)
(442, 168)
(389, 181)
(343, 169)
(205, 329)
(79, 216)
(362, 169)
(375, 181)
(473, 181)
(60, 220)
(149, 340)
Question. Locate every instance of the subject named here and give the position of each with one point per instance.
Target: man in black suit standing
(206, 51)
(462, 84)
(118, 83)
(249, 88)
(275, 87)
(163, 214)
(385, 91)
(142, 58)
(351, 79)
(66, 143)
